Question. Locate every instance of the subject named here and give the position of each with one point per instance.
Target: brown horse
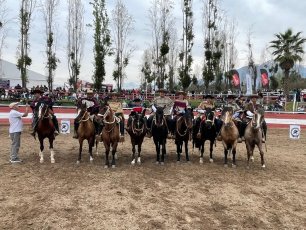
(110, 132)
(86, 131)
(229, 134)
(45, 129)
(253, 137)
(137, 130)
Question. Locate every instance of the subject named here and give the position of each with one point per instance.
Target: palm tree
(288, 49)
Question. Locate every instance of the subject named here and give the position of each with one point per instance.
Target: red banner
(264, 78)
(235, 78)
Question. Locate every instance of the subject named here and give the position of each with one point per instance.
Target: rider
(179, 107)
(160, 101)
(38, 99)
(250, 109)
(92, 107)
(116, 105)
(137, 108)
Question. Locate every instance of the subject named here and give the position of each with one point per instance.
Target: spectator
(15, 130)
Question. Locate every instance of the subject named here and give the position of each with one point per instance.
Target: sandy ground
(65, 195)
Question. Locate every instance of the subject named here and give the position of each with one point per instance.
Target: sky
(264, 18)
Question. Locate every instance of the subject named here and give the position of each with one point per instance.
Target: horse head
(257, 120)
(106, 113)
(228, 118)
(188, 116)
(159, 116)
(43, 111)
(138, 125)
(209, 118)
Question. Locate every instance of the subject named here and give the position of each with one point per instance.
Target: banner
(65, 126)
(264, 78)
(235, 78)
(295, 131)
(248, 79)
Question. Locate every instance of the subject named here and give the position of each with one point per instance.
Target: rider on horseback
(164, 102)
(179, 108)
(137, 108)
(250, 109)
(38, 100)
(116, 106)
(92, 105)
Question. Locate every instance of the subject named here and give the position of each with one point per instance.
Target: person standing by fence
(15, 129)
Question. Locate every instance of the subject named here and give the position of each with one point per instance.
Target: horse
(207, 130)
(182, 133)
(86, 131)
(45, 129)
(137, 130)
(229, 134)
(159, 129)
(253, 137)
(110, 133)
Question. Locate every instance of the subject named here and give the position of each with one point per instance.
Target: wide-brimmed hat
(161, 91)
(208, 96)
(230, 96)
(13, 104)
(181, 92)
(137, 100)
(89, 91)
(253, 96)
(37, 90)
(112, 94)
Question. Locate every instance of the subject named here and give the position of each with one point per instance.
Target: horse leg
(114, 149)
(225, 157)
(139, 150)
(234, 157)
(133, 153)
(97, 143)
(211, 148)
(107, 148)
(178, 154)
(80, 151)
(202, 152)
(157, 146)
(248, 153)
(41, 142)
(91, 143)
(51, 150)
(262, 157)
(163, 153)
(186, 150)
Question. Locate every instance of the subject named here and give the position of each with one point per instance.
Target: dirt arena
(65, 195)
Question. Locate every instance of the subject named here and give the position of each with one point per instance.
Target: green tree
(102, 41)
(26, 10)
(288, 49)
(185, 56)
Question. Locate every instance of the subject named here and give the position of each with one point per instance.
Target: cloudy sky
(264, 17)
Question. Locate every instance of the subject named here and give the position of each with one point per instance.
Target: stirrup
(56, 133)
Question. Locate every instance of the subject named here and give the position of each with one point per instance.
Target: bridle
(115, 120)
(137, 130)
(82, 118)
(44, 116)
(230, 123)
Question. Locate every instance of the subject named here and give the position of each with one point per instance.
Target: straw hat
(181, 92)
(13, 104)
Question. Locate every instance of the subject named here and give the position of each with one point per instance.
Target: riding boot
(34, 124)
(76, 126)
(149, 126)
(55, 122)
(239, 126)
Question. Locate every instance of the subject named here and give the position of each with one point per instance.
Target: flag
(264, 78)
(235, 78)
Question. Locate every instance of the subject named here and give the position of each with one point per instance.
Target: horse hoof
(162, 163)
(139, 160)
(234, 166)
(252, 158)
(91, 159)
(211, 160)
(106, 166)
(157, 162)
(78, 162)
(178, 162)
(41, 161)
(263, 166)
(248, 167)
(52, 161)
(188, 162)
(225, 165)
(113, 166)
(201, 160)
(133, 162)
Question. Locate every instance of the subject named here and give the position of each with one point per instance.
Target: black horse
(182, 133)
(159, 129)
(205, 129)
(137, 129)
